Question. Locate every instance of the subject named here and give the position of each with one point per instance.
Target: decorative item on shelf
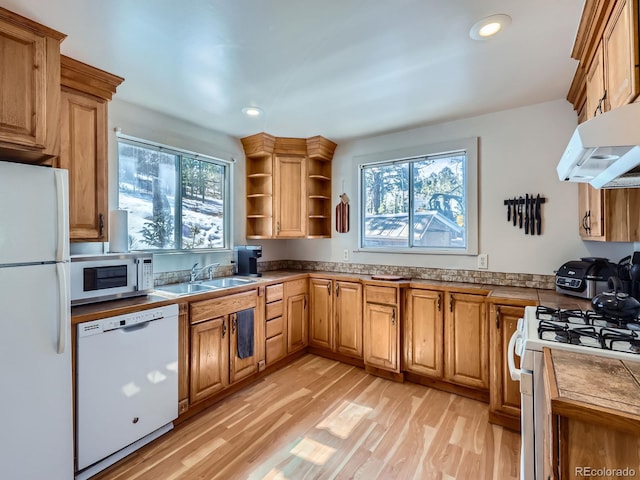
(342, 214)
(526, 212)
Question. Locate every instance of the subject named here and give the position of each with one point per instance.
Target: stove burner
(566, 315)
(620, 340)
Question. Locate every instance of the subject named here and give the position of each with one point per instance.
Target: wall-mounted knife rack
(525, 212)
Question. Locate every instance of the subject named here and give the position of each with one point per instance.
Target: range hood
(605, 150)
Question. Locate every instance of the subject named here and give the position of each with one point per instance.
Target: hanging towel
(245, 333)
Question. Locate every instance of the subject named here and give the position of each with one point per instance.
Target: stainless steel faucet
(195, 271)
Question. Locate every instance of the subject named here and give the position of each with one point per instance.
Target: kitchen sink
(178, 289)
(185, 288)
(227, 282)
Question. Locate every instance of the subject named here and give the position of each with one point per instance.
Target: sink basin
(227, 282)
(185, 288)
(178, 289)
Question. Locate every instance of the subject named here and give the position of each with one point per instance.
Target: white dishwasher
(127, 385)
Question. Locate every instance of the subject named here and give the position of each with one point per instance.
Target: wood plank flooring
(321, 419)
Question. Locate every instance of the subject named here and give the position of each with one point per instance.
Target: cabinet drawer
(275, 349)
(274, 292)
(378, 294)
(274, 327)
(273, 310)
(217, 307)
(296, 287)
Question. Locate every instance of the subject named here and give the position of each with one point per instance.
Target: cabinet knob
(224, 328)
(337, 289)
(234, 323)
(393, 317)
(498, 318)
(439, 302)
(329, 288)
(451, 304)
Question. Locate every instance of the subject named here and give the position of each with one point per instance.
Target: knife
(508, 210)
(526, 214)
(532, 214)
(520, 199)
(538, 216)
(515, 206)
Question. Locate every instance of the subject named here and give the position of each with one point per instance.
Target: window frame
(405, 155)
(227, 215)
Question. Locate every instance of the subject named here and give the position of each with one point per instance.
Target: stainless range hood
(605, 150)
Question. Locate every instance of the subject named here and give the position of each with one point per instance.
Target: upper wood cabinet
(288, 186)
(29, 89)
(83, 149)
(606, 47)
(607, 77)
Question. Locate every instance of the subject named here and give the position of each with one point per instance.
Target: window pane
(438, 202)
(202, 204)
(386, 202)
(147, 180)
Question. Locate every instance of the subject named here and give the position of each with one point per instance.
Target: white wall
(146, 124)
(518, 153)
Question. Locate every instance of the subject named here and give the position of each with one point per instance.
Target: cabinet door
(83, 151)
(23, 82)
(348, 318)
(467, 341)
(296, 322)
(620, 45)
(423, 333)
(591, 209)
(596, 96)
(321, 314)
(505, 393)
(290, 196)
(240, 368)
(381, 340)
(209, 358)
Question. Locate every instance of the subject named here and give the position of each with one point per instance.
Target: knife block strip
(525, 212)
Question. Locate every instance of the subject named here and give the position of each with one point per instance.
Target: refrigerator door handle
(64, 312)
(62, 247)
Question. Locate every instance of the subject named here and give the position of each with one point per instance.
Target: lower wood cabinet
(297, 314)
(504, 405)
(466, 341)
(382, 327)
(335, 319)
(275, 325)
(215, 363)
(423, 333)
(445, 337)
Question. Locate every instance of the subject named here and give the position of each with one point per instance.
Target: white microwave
(110, 276)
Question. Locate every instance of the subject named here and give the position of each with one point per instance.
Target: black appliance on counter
(246, 259)
(629, 274)
(585, 278)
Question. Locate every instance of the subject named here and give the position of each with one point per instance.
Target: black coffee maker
(629, 274)
(246, 259)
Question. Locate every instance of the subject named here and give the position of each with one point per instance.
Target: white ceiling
(338, 68)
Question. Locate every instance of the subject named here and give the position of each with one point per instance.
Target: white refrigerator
(36, 430)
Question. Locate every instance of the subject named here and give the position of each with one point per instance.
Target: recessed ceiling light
(489, 26)
(252, 111)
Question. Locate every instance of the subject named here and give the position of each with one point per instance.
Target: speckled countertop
(494, 293)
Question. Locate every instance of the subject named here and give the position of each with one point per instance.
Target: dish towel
(342, 214)
(245, 333)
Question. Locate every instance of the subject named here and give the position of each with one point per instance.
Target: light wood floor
(321, 419)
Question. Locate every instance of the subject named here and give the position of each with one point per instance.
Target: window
(176, 200)
(423, 202)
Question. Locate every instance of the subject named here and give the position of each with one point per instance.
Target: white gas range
(565, 329)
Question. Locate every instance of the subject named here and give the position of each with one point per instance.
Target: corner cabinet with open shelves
(288, 186)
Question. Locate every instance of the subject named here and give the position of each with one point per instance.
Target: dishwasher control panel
(127, 320)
